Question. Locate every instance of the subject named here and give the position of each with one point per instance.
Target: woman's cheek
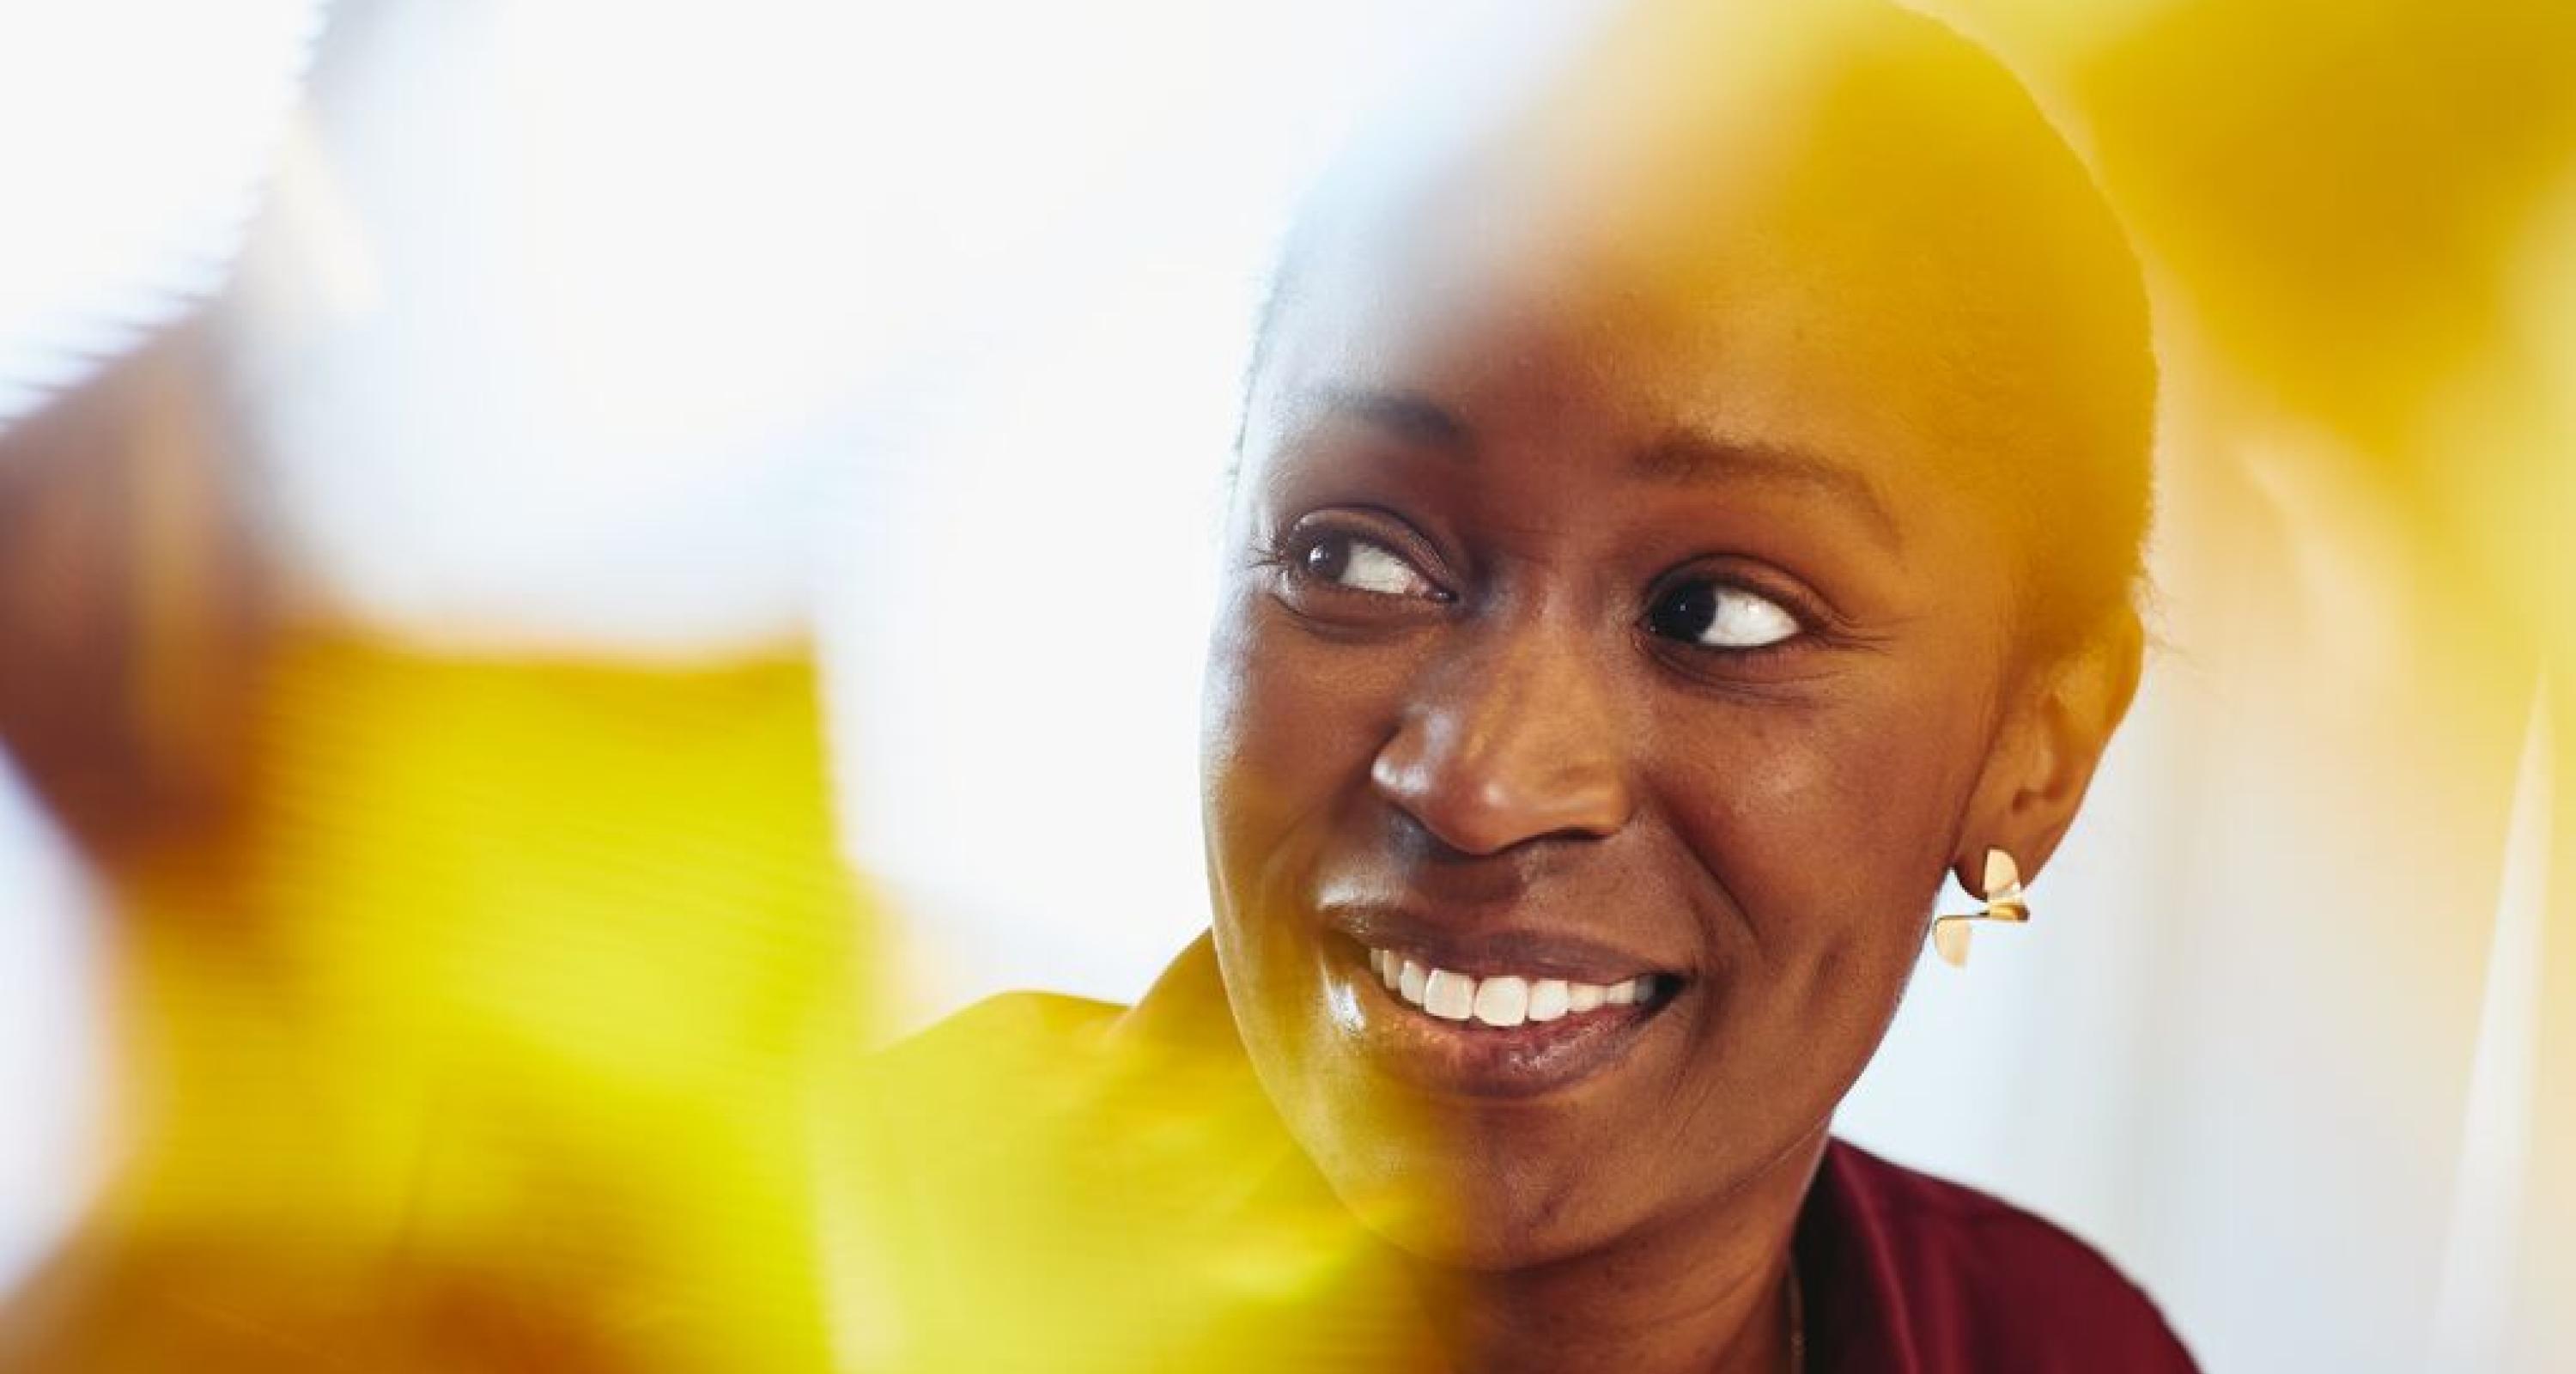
(1295, 720)
(1820, 826)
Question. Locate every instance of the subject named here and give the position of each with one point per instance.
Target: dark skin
(1618, 556)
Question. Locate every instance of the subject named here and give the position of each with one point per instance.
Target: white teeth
(1502, 1001)
(1449, 996)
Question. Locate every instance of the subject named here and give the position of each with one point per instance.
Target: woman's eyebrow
(1693, 457)
(1406, 415)
(1682, 457)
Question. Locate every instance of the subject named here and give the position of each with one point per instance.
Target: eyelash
(1286, 554)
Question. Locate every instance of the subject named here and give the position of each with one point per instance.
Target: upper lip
(1486, 951)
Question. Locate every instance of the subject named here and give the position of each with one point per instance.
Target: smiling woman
(1681, 515)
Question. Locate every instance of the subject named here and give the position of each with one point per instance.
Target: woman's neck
(1703, 1293)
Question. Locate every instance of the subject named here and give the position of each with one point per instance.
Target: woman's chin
(1476, 1250)
(1454, 1229)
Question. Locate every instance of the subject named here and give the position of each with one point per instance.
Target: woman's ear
(2058, 721)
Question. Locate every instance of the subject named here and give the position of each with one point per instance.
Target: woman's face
(1592, 630)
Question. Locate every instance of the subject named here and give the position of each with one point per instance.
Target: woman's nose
(1510, 746)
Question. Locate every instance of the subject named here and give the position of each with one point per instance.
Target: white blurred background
(660, 331)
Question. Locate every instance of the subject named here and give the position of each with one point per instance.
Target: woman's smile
(1510, 1014)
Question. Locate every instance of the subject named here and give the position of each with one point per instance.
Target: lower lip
(1474, 1060)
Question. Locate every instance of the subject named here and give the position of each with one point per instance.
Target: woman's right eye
(1362, 565)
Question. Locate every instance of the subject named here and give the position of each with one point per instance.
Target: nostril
(1455, 824)
(1419, 845)
(1479, 807)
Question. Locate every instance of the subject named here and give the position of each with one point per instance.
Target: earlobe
(2001, 889)
(2036, 777)
(2051, 744)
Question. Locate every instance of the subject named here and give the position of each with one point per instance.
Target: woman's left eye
(1718, 616)
(1362, 565)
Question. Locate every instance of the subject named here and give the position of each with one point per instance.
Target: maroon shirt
(1908, 1274)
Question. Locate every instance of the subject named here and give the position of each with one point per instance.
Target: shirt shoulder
(1969, 1281)
(995, 1081)
(1016, 1023)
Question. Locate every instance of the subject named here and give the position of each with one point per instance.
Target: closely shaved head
(1693, 148)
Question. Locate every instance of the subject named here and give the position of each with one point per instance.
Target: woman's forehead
(1850, 233)
(1580, 341)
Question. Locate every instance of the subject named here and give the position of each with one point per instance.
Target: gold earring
(2003, 903)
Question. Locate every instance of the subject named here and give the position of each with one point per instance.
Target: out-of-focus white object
(50, 1059)
(541, 337)
(133, 138)
(570, 316)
